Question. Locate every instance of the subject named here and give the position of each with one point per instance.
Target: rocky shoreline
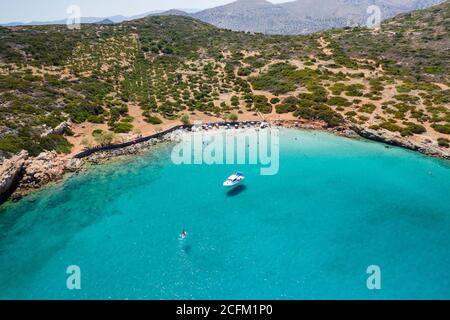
(386, 137)
(11, 172)
(23, 174)
(383, 136)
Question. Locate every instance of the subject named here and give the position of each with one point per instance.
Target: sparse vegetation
(442, 128)
(173, 66)
(443, 142)
(185, 120)
(233, 117)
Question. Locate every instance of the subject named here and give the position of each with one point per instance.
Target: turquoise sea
(336, 207)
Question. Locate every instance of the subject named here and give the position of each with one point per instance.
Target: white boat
(234, 180)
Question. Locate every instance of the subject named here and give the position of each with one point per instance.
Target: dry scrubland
(115, 82)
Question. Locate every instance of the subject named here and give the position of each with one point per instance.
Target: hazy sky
(45, 10)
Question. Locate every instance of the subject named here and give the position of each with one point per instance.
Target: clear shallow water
(336, 207)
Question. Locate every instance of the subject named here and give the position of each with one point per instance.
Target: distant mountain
(302, 16)
(295, 17)
(113, 19)
(84, 20)
(173, 12)
(251, 15)
(354, 11)
(63, 21)
(105, 21)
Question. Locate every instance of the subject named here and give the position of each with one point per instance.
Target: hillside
(418, 42)
(288, 18)
(302, 16)
(252, 15)
(66, 89)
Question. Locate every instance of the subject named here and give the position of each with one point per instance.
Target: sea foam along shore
(22, 174)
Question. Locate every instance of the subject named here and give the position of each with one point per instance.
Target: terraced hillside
(66, 89)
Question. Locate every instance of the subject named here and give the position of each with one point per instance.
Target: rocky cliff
(11, 172)
(22, 173)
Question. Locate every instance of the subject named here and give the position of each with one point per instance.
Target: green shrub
(56, 142)
(122, 127)
(415, 128)
(282, 78)
(11, 144)
(34, 143)
(289, 105)
(185, 119)
(407, 98)
(274, 100)
(338, 101)
(367, 108)
(95, 119)
(127, 119)
(243, 72)
(442, 128)
(353, 90)
(104, 139)
(291, 101)
(97, 132)
(153, 120)
(262, 104)
(235, 101)
(443, 142)
(390, 126)
(286, 108)
(363, 118)
(320, 112)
